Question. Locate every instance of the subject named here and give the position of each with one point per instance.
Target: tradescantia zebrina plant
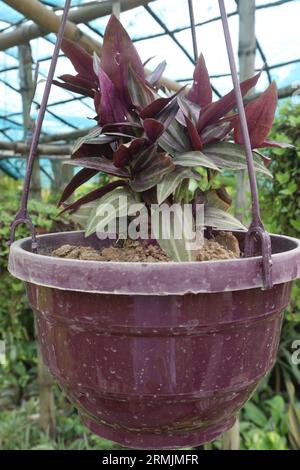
(159, 147)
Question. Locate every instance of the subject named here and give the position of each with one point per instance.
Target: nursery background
(34, 414)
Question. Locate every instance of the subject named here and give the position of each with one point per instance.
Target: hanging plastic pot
(156, 355)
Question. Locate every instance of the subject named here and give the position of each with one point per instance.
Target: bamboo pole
(48, 21)
(9, 155)
(247, 51)
(43, 149)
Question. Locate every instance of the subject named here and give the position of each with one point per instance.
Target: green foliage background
(271, 420)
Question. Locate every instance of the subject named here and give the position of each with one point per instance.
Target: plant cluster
(152, 143)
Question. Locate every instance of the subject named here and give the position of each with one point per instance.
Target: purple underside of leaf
(201, 91)
(260, 115)
(101, 164)
(126, 128)
(97, 149)
(125, 153)
(75, 88)
(153, 129)
(94, 195)
(78, 80)
(80, 178)
(82, 61)
(121, 156)
(118, 52)
(111, 108)
(156, 75)
(194, 137)
(223, 106)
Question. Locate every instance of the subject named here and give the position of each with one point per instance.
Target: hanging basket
(156, 355)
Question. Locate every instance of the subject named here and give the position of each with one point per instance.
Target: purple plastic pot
(156, 355)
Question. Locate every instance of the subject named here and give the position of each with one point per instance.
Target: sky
(277, 30)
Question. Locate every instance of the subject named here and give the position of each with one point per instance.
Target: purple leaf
(159, 105)
(118, 52)
(82, 61)
(80, 178)
(260, 115)
(195, 139)
(223, 106)
(121, 156)
(127, 128)
(75, 88)
(94, 195)
(153, 129)
(111, 108)
(201, 92)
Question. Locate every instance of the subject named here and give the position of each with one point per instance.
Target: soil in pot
(223, 246)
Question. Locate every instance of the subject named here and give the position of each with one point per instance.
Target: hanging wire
(193, 29)
(22, 216)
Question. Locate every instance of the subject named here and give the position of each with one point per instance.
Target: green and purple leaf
(152, 172)
(228, 155)
(140, 93)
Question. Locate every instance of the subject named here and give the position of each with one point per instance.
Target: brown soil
(223, 246)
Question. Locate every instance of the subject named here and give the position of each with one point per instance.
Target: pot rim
(142, 278)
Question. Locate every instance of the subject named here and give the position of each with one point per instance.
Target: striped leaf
(217, 218)
(195, 159)
(120, 199)
(170, 182)
(227, 155)
(174, 248)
